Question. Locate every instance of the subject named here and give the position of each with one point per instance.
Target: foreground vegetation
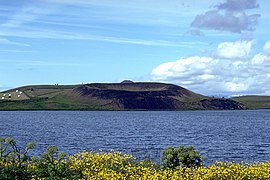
(178, 163)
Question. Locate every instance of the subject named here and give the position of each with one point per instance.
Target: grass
(45, 104)
(13, 95)
(43, 97)
(254, 102)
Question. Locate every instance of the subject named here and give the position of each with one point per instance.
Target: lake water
(218, 135)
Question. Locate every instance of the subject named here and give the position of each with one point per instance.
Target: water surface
(218, 135)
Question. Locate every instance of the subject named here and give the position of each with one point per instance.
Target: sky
(212, 47)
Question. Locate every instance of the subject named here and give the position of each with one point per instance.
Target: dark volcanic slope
(148, 96)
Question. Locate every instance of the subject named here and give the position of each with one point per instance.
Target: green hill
(254, 102)
(42, 97)
(110, 96)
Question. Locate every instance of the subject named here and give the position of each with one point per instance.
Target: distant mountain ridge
(127, 95)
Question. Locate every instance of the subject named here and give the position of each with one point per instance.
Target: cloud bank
(230, 16)
(229, 71)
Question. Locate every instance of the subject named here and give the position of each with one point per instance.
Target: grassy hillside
(42, 97)
(110, 96)
(254, 102)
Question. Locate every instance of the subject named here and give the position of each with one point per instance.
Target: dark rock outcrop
(220, 104)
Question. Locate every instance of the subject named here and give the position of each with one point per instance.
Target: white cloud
(236, 86)
(232, 72)
(94, 21)
(206, 77)
(184, 68)
(266, 48)
(8, 42)
(259, 59)
(238, 49)
(26, 14)
(230, 16)
(61, 34)
(16, 51)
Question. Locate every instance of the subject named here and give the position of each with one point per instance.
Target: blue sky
(213, 47)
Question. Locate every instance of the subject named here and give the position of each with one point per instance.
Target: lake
(218, 135)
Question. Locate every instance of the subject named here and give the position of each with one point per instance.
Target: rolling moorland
(120, 96)
(254, 102)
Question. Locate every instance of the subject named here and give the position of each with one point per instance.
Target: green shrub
(17, 159)
(16, 164)
(53, 165)
(181, 157)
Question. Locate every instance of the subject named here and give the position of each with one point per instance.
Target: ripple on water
(219, 135)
